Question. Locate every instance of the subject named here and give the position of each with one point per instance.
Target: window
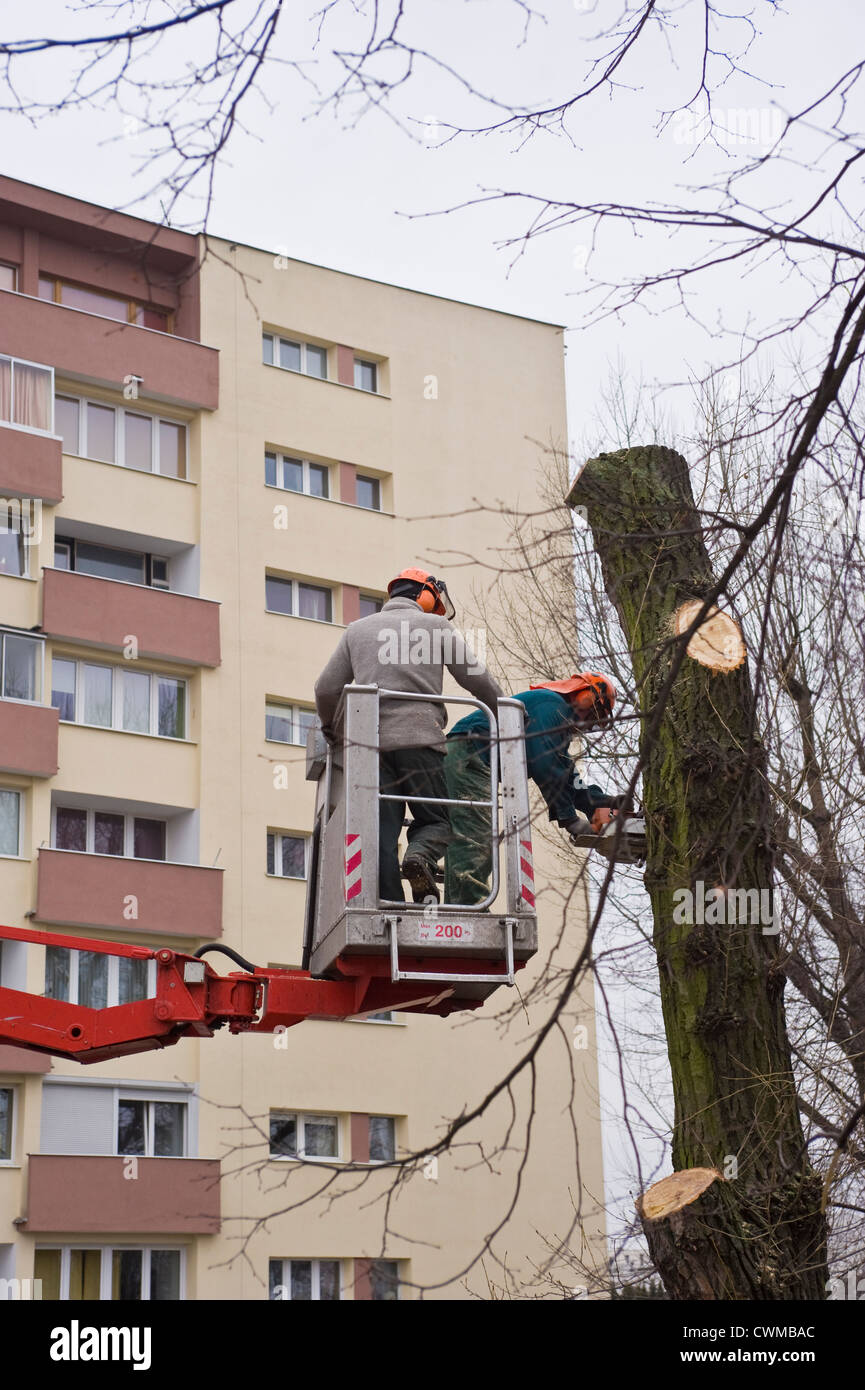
(21, 660)
(113, 697)
(26, 394)
(108, 832)
(287, 854)
(297, 599)
(112, 434)
(97, 980)
(369, 605)
(13, 541)
(365, 375)
(382, 1138)
(7, 1102)
(8, 276)
(293, 355)
(287, 723)
(368, 493)
(306, 1280)
(97, 301)
(10, 822)
(296, 475)
(126, 1275)
(111, 562)
(151, 1128)
(303, 1136)
(384, 1280)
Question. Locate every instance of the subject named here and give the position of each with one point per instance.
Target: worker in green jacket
(556, 711)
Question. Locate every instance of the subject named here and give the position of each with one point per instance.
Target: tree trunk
(760, 1235)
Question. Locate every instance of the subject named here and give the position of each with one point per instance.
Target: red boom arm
(191, 1000)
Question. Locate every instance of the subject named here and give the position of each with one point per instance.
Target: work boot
(421, 878)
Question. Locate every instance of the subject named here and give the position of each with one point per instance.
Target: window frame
(116, 725)
(371, 598)
(300, 1118)
(26, 362)
(91, 812)
(306, 464)
(17, 791)
(112, 989)
(359, 364)
(147, 557)
(106, 1268)
(378, 1162)
(285, 1278)
(293, 711)
(30, 637)
(279, 835)
(14, 267)
(13, 1126)
(296, 585)
(303, 343)
(24, 557)
(120, 413)
(377, 483)
(126, 1093)
(132, 305)
(399, 1280)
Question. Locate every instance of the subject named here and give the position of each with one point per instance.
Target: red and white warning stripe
(527, 873)
(353, 880)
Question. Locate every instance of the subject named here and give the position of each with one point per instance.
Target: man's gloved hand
(609, 803)
(579, 826)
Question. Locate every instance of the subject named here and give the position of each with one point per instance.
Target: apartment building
(220, 457)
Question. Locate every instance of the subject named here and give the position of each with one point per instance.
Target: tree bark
(760, 1235)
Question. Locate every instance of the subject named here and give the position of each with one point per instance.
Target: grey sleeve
(471, 673)
(328, 688)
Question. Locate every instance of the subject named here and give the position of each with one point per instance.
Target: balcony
(103, 351)
(31, 465)
(107, 612)
(20, 1060)
(97, 890)
(90, 1195)
(28, 739)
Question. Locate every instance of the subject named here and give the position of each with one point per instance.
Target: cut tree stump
(677, 1216)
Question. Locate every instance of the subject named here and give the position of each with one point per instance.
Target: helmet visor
(592, 710)
(448, 610)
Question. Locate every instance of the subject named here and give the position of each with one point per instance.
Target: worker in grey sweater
(407, 646)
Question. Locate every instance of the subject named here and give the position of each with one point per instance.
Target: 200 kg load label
(445, 931)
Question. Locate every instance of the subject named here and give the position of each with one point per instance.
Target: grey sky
(340, 190)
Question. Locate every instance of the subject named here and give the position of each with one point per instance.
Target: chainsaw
(623, 844)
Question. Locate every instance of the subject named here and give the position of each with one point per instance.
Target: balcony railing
(102, 350)
(105, 890)
(28, 739)
(90, 1195)
(31, 464)
(108, 612)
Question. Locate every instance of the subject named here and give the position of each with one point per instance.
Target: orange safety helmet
(589, 693)
(433, 596)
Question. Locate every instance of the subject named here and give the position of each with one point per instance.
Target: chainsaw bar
(631, 846)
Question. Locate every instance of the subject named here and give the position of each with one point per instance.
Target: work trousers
(407, 773)
(469, 858)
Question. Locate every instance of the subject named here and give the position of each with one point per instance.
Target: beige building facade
(225, 456)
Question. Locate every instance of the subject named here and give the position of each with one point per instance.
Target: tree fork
(761, 1233)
